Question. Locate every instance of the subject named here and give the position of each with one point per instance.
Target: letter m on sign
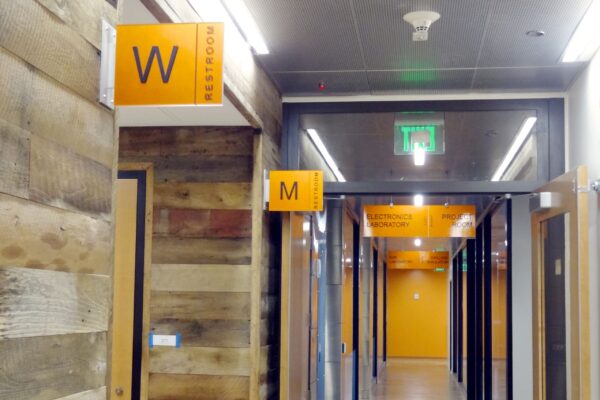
(284, 191)
(295, 191)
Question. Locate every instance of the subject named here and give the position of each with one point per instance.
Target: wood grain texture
(45, 108)
(174, 250)
(149, 170)
(201, 361)
(201, 278)
(199, 306)
(31, 32)
(198, 387)
(206, 332)
(14, 160)
(64, 179)
(38, 236)
(83, 16)
(186, 141)
(207, 168)
(95, 394)
(203, 195)
(40, 303)
(50, 367)
(203, 223)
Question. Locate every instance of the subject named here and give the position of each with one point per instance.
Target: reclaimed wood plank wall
(249, 88)
(57, 168)
(201, 273)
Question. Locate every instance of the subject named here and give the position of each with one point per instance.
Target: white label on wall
(165, 340)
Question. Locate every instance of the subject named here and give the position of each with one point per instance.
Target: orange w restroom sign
(169, 64)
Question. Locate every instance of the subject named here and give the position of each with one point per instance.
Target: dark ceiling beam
(390, 188)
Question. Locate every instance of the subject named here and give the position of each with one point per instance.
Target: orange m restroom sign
(169, 64)
(296, 191)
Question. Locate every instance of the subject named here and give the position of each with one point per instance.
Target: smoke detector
(421, 20)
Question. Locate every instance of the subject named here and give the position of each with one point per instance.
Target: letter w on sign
(155, 53)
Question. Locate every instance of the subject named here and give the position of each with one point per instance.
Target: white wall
(522, 300)
(583, 148)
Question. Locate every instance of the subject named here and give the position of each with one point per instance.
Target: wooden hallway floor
(417, 379)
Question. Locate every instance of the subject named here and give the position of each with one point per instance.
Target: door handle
(119, 391)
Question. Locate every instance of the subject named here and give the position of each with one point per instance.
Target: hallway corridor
(417, 379)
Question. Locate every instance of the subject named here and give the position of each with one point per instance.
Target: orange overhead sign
(169, 64)
(452, 221)
(296, 191)
(394, 221)
(418, 259)
(422, 222)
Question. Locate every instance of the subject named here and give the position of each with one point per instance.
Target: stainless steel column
(365, 331)
(333, 274)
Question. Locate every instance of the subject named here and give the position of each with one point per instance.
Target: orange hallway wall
(417, 328)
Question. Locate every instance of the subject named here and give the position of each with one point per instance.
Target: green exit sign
(419, 130)
(410, 142)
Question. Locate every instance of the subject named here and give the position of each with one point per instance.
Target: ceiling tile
(420, 80)
(454, 40)
(306, 35)
(549, 78)
(336, 83)
(506, 42)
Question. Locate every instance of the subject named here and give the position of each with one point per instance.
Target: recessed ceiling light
(535, 33)
(418, 200)
(419, 154)
(418, 242)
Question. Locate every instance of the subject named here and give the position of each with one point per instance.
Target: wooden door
(561, 348)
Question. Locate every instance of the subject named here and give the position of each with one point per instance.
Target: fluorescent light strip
(314, 136)
(234, 14)
(246, 23)
(586, 38)
(524, 132)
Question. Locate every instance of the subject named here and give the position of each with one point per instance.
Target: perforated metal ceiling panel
(505, 43)
(365, 46)
(453, 41)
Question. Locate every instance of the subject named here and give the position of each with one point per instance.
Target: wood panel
(196, 141)
(203, 223)
(34, 235)
(37, 302)
(201, 361)
(198, 387)
(206, 332)
(124, 280)
(64, 179)
(95, 394)
(174, 250)
(84, 16)
(203, 195)
(50, 367)
(43, 107)
(203, 169)
(199, 306)
(14, 160)
(31, 32)
(201, 278)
